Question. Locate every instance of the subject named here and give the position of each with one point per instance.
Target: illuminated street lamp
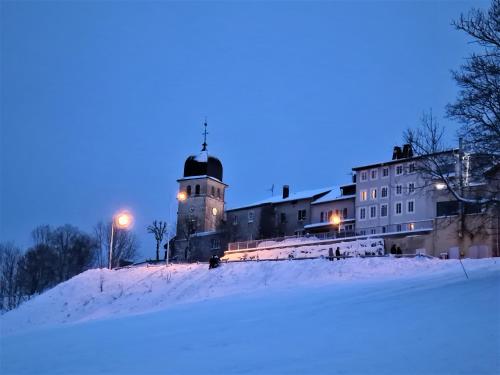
(122, 220)
(335, 220)
(440, 186)
(181, 196)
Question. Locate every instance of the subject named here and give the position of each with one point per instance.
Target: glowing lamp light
(181, 196)
(440, 186)
(335, 220)
(123, 220)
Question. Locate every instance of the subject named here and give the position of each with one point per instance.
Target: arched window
(213, 191)
(197, 190)
(218, 192)
(188, 190)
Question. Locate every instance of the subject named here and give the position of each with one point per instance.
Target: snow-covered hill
(379, 315)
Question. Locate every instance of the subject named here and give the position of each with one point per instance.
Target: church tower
(201, 206)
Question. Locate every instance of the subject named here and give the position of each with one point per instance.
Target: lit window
(399, 170)
(383, 210)
(363, 195)
(373, 193)
(373, 174)
(398, 208)
(411, 207)
(251, 216)
(399, 189)
(411, 226)
(384, 192)
(385, 172)
(362, 213)
(411, 188)
(373, 212)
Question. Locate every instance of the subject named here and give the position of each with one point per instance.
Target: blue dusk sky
(101, 102)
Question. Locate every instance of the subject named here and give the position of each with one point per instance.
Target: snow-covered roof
(333, 195)
(203, 234)
(277, 199)
(198, 177)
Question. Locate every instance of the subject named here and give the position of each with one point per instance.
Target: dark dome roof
(203, 165)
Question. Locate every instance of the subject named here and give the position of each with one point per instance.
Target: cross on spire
(205, 137)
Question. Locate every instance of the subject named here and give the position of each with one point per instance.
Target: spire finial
(205, 137)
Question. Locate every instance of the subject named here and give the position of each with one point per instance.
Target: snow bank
(101, 294)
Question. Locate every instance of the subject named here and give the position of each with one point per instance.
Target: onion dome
(203, 164)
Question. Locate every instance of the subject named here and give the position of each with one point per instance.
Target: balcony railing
(378, 231)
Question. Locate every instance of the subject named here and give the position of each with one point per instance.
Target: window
(373, 174)
(197, 190)
(399, 189)
(383, 210)
(373, 212)
(398, 208)
(373, 193)
(373, 231)
(251, 216)
(411, 187)
(212, 191)
(363, 195)
(215, 243)
(446, 208)
(282, 218)
(235, 220)
(410, 206)
(188, 190)
(362, 232)
(385, 172)
(411, 168)
(411, 226)
(329, 216)
(399, 170)
(321, 217)
(344, 213)
(398, 228)
(384, 229)
(364, 176)
(362, 213)
(218, 192)
(301, 215)
(384, 191)
(337, 213)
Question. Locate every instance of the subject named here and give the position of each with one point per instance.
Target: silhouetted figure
(330, 253)
(393, 249)
(399, 252)
(337, 253)
(213, 262)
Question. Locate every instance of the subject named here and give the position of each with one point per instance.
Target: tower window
(197, 190)
(188, 190)
(213, 191)
(218, 192)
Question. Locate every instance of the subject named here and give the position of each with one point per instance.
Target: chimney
(396, 154)
(407, 151)
(286, 191)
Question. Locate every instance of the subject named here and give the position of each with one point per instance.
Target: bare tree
(9, 287)
(125, 244)
(158, 229)
(478, 104)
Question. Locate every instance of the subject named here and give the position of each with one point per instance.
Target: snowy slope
(372, 316)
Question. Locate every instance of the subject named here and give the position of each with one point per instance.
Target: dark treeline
(57, 254)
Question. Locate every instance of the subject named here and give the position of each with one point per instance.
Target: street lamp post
(122, 220)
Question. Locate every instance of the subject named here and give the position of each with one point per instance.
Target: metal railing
(385, 230)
